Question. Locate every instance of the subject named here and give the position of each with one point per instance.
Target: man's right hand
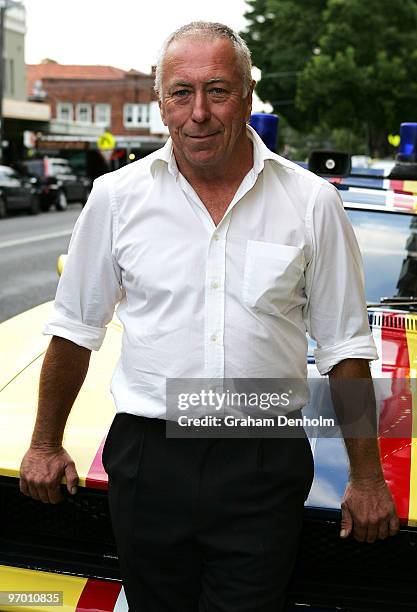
(41, 472)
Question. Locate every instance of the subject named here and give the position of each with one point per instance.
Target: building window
(128, 115)
(143, 114)
(64, 111)
(102, 114)
(8, 71)
(84, 113)
(136, 115)
(11, 77)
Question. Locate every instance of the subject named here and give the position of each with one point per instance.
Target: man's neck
(216, 187)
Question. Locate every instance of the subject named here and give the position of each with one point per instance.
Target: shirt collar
(166, 155)
(261, 153)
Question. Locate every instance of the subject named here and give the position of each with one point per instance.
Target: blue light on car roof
(408, 143)
(267, 127)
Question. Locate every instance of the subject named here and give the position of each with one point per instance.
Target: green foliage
(356, 63)
(281, 37)
(298, 145)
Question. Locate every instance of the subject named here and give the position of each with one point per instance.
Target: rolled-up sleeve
(90, 284)
(335, 312)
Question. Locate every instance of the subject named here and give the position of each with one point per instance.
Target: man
(221, 254)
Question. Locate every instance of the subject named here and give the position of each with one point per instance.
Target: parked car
(69, 547)
(16, 193)
(57, 184)
(344, 574)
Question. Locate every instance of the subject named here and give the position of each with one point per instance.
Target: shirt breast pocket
(272, 275)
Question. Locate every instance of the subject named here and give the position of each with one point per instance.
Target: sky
(122, 33)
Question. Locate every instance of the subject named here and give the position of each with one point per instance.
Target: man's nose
(201, 107)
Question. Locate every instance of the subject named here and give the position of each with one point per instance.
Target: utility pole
(4, 5)
(2, 16)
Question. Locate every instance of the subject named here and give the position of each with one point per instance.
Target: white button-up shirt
(200, 301)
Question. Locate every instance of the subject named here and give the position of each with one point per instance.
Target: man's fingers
(359, 533)
(372, 510)
(71, 478)
(54, 492)
(39, 491)
(33, 491)
(372, 531)
(346, 524)
(41, 472)
(23, 486)
(43, 493)
(48, 493)
(383, 530)
(360, 530)
(394, 525)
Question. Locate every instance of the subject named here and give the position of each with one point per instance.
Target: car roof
(59, 160)
(372, 189)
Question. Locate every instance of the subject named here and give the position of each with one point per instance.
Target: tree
(358, 70)
(282, 35)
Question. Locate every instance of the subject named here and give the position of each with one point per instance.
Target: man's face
(202, 102)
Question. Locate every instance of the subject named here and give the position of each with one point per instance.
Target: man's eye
(217, 91)
(181, 93)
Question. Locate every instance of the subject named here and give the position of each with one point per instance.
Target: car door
(62, 172)
(17, 192)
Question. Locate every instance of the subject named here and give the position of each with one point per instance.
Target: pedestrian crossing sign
(106, 141)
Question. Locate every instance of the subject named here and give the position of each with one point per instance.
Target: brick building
(85, 100)
(20, 117)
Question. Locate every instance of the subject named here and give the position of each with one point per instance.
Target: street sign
(106, 141)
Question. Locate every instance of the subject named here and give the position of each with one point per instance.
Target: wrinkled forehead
(204, 58)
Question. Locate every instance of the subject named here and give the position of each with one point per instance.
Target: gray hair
(208, 30)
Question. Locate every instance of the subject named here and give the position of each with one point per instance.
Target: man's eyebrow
(180, 84)
(217, 80)
(209, 82)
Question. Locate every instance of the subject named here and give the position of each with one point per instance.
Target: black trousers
(204, 525)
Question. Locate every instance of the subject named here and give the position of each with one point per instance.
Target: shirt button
(216, 237)
(213, 338)
(215, 284)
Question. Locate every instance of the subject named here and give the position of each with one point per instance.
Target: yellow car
(67, 547)
(64, 555)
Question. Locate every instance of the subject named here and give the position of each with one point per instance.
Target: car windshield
(388, 242)
(34, 168)
(56, 169)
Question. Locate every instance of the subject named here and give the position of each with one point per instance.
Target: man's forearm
(63, 372)
(365, 463)
(363, 451)
(368, 509)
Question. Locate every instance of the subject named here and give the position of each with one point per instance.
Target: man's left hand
(368, 510)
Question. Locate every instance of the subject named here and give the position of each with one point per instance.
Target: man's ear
(249, 99)
(162, 111)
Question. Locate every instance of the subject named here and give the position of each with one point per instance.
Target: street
(29, 247)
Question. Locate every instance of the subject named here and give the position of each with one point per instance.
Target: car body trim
(20, 579)
(412, 349)
(396, 355)
(99, 595)
(79, 594)
(97, 477)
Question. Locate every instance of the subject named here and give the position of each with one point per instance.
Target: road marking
(39, 238)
